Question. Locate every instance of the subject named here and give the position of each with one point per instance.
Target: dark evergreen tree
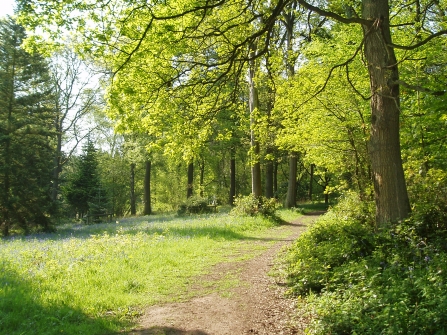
(26, 136)
(84, 191)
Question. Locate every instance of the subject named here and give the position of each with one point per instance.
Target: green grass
(98, 279)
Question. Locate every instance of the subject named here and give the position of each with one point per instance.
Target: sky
(6, 7)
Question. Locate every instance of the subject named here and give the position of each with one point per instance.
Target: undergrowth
(355, 280)
(251, 205)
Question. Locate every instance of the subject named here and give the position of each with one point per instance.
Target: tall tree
(75, 97)
(26, 136)
(289, 23)
(256, 186)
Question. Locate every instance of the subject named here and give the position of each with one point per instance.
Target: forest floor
(256, 305)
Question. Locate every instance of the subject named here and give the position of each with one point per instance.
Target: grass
(98, 279)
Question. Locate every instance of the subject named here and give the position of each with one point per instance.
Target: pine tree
(85, 192)
(26, 135)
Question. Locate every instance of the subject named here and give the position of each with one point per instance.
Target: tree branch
(335, 16)
(337, 66)
(421, 43)
(419, 88)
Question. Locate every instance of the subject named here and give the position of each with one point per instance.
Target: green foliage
(26, 134)
(337, 238)
(357, 281)
(114, 171)
(85, 192)
(98, 279)
(251, 206)
(195, 205)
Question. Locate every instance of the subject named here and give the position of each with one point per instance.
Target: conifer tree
(26, 136)
(84, 191)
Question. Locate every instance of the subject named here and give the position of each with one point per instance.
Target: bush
(195, 205)
(331, 242)
(250, 206)
(357, 281)
(430, 207)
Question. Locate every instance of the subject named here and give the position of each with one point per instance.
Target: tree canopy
(177, 65)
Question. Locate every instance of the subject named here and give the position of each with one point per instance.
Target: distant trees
(26, 133)
(84, 191)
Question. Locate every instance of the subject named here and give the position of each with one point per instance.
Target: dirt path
(256, 306)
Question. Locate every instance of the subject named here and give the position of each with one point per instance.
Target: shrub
(357, 281)
(194, 205)
(329, 243)
(250, 206)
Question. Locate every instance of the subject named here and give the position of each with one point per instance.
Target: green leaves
(357, 281)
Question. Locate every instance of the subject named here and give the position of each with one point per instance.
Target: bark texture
(291, 188)
(390, 190)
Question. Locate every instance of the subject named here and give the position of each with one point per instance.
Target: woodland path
(257, 305)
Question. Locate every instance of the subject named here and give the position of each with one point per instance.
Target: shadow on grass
(180, 228)
(167, 331)
(22, 312)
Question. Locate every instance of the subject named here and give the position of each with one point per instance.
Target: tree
(133, 208)
(75, 97)
(84, 191)
(256, 187)
(391, 196)
(26, 135)
(209, 43)
(147, 188)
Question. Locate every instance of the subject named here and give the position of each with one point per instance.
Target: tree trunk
(147, 189)
(291, 188)
(326, 181)
(190, 179)
(289, 19)
(275, 179)
(6, 207)
(202, 176)
(269, 177)
(256, 186)
(133, 210)
(57, 162)
(390, 190)
(232, 177)
(311, 182)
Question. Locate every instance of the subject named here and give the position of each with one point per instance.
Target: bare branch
(421, 43)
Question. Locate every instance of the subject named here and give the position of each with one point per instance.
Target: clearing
(256, 305)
